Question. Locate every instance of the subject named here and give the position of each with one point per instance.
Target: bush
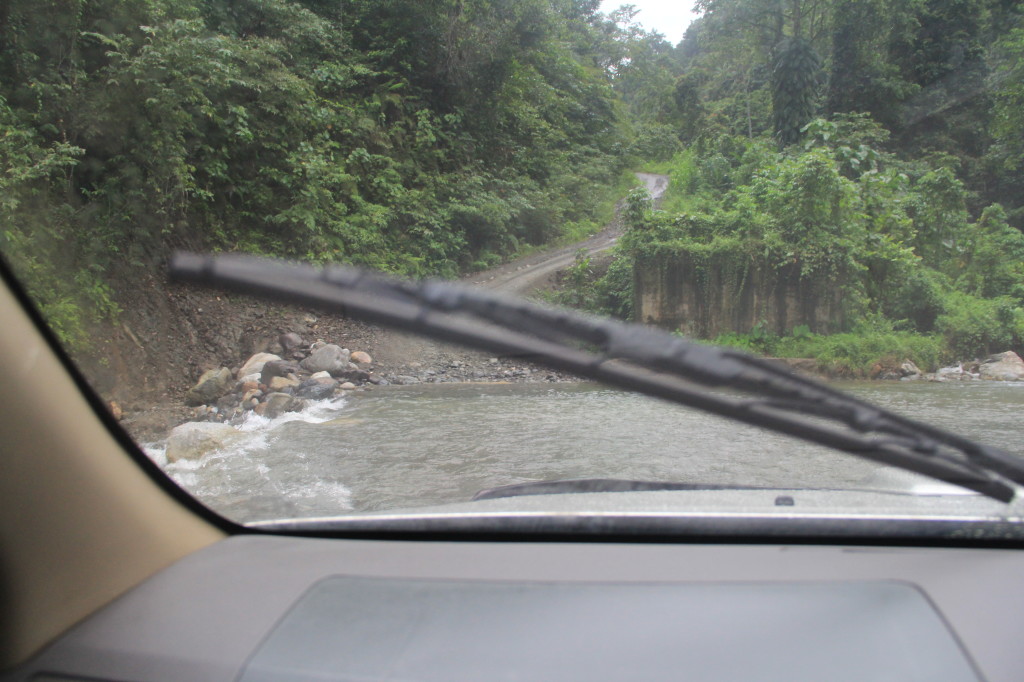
(613, 293)
(655, 142)
(975, 327)
(918, 300)
(851, 355)
(856, 354)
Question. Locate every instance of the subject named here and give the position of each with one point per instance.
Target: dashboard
(262, 607)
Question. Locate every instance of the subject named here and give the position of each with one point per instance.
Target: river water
(403, 447)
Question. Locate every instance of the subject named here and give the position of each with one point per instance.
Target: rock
(316, 389)
(329, 358)
(248, 387)
(1003, 367)
(277, 404)
(250, 395)
(353, 375)
(278, 384)
(211, 386)
(291, 341)
(321, 375)
(277, 368)
(909, 369)
(192, 440)
(947, 372)
(347, 386)
(254, 365)
(405, 380)
(361, 358)
(226, 403)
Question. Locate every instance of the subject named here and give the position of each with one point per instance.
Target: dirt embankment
(169, 334)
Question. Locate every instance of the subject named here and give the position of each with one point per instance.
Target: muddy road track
(538, 270)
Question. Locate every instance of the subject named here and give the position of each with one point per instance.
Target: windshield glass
(836, 186)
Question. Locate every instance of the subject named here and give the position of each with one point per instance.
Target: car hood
(893, 502)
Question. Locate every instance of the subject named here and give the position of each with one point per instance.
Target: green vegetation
(868, 150)
(415, 136)
(869, 153)
(853, 354)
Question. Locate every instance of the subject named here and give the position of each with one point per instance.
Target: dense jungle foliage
(879, 145)
(416, 136)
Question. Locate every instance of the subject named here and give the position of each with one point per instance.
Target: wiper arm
(627, 356)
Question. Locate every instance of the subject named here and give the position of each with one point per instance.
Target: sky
(668, 17)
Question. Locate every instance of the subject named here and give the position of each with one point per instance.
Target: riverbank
(324, 358)
(256, 377)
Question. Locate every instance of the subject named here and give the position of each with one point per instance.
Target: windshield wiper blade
(600, 485)
(627, 356)
(623, 485)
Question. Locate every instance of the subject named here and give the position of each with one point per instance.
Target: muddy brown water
(403, 447)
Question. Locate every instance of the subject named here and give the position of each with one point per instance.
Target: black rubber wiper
(627, 356)
(600, 485)
(624, 485)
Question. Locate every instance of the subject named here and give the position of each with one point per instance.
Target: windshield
(834, 186)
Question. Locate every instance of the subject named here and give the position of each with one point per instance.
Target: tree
(795, 82)
(862, 77)
(789, 37)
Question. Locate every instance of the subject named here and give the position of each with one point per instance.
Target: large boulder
(192, 440)
(277, 404)
(211, 386)
(277, 368)
(361, 358)
(1003, 367)
(281, 384)
(358, 376)
(328, 358)
(291, 341)
(317, 389)
(254, 365)
(909, 370)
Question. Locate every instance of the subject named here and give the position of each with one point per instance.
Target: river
(402, 447)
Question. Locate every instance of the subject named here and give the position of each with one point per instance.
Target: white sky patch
(668, 17)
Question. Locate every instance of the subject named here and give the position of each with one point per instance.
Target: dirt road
(537, 270)
(414, 354)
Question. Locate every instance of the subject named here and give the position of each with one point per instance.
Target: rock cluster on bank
(272, 383)
(1007, 366)
(269, 385)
